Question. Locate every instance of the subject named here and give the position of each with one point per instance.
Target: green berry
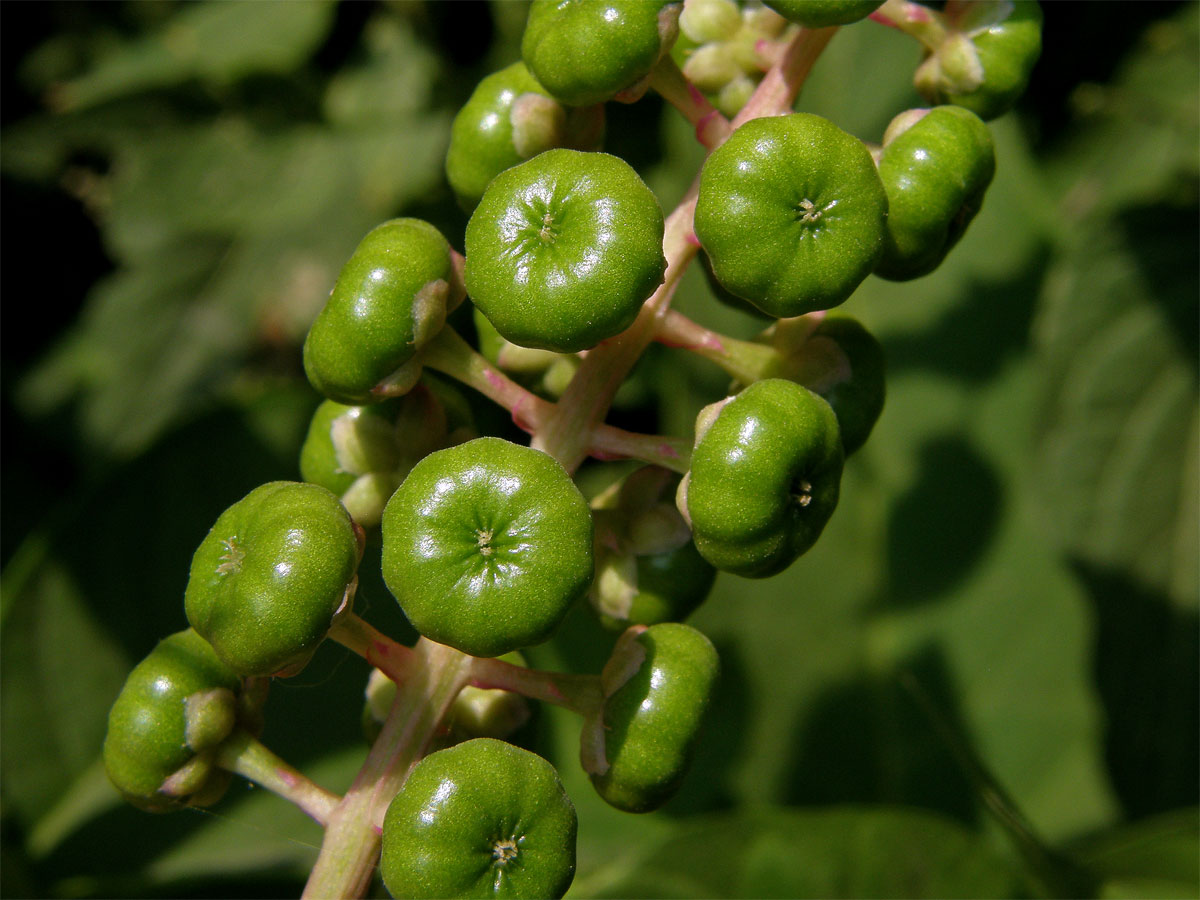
(587, 51)
(653, 717)
(346, 442)
(791, 212)
(824, 13)
(352, 451)
(712, 67)
(362, 453)
(390, 298)
(935, 173)
(855, 386)
(510, 118)
(269, 576)
(648, 569)
(984, 66)
(563, 250)
(481, 819)
(764, 478)
(645, 590)
(151, 737)
(486, 545)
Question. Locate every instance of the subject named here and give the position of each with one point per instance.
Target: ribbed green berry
(147, 741)
(480, 819)
(935, 173)
(791, 212)
(824, 13)
(269, 576)
(653, 718)
(764, 479)
(587, 51)
(390, 298)
(486, 545)
(563, 250)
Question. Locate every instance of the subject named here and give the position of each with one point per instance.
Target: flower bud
(709, 20)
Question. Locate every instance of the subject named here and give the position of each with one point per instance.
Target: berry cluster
(570, 265)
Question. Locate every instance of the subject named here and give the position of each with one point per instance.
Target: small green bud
(709, 20)
(647, 570)
(485, 712)
(735, 95)
(711, 67)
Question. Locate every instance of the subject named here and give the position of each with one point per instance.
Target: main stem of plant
(350, 849)
(435, 674)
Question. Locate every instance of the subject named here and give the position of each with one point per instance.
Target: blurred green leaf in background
(984, 679)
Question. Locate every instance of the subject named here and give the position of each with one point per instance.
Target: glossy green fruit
(824, 13)
(764, 478)
(510, 118)
(481, 819)
(486, 545)
(587, 51)
(390, 298)
(563, 250)
(989, 79)
(362, 453)
(791, 212)
(345, 443)
(935, 173)
(645, 590)
(269, 576)
(652, 719)
(148, 729)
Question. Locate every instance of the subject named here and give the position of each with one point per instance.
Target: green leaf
(932, 565)
(213, 41)
(1117, 443)
(218, 259)
(391, 84)
(90, 592)
(55, 698)
(835, 852)
(228, 230)
(1136, 136)
(1154, 857)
